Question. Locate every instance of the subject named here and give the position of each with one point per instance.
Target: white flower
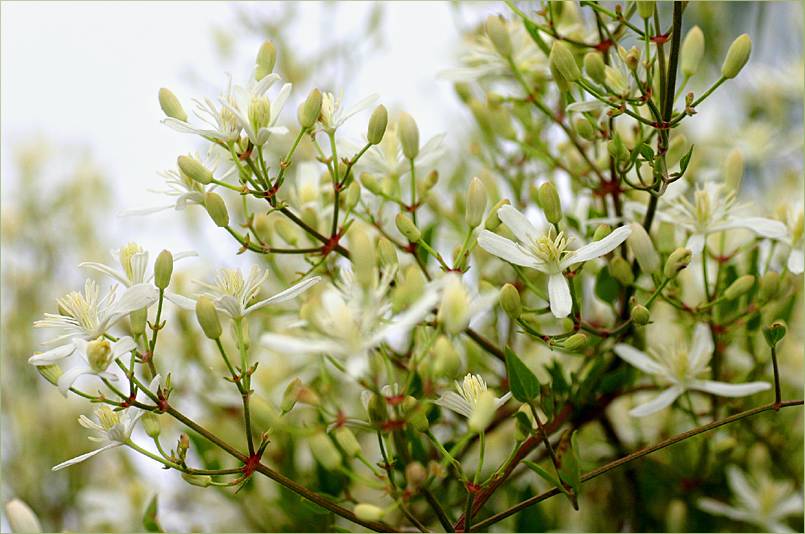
(714, 209)
(680, 366)
(764, 504)
(795, 222)
(233, 295)
(386, 159)
(332, 115)
(474, 401)
(133, 264)
(254, 111)
(85, 317)
(113, 429)
(459, 305)
(97, 354)
(546, 252)
(351, 320)
(219, 123)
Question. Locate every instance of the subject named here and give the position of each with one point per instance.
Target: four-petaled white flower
(765, 504)
(680, 366)
(86, 316)
(133, 260)
(113, 429)
(546, 252)
(234, 295)
(332, 115)
(351, 320)
(714, 209)
(255, 113)
(474, 401)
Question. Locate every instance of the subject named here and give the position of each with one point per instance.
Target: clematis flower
(255, 113)
(386, 158)
(474, 401)
(546, 252)
(764, 503)
(332, 115)
(681, 366)
(219, 122)
(97, 354)
(714, 209)
(795, 223)
(86, 317)
(133, 261)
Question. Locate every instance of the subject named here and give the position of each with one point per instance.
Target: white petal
(105, 269)
(701, 350)
(135, 298)
(696, 243)
(455, 402)
(506, 250)
(660, 402)
(639, 359)
(86, 456)
(588, 105)
(791, 505)
(287, 294)
(796, 261)
(183, 302)
(715, 507)
(67, 380)
(759, 225)
(406, 320)
(519, 225)
(559, 295)
(53, 355)
(596, 249)
(741, 487)
(122, 346)
(297, 345)
(723, 389)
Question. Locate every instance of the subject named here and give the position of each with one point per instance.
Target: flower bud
(415, 414)
(21, 518)
(170, 105)
(409, 135)
(51, 372)
(550, 203)
(309, 111)
(769, 286)
(678, 260)
(492, 221)
(584, 128)
(617, 149)
(262, 226)
(266, 59)
(645, 8)
(510, 301)
(163, 269)
(290, 395)
(363, 258)
(287, 231)
(676, 516)
(562, 60)
(182, 446)
(643, 249)
(499, 35)
(576, 342)
(193, 169)
(446, 360)
(692, 51)
(324, 451)
(368, 512)
(137, 320)
(632, 58)
(666, 237)
(377, 125)
(260, 112)
(621, 271)
(739, 287)
(640, 314)
(353, 195)
(601, 231)
(387, 253)
(594, 67)
(476, 203)
(377, 409)
(216, 208)
(407, 228)
(207, 317)
(737, 56)
(202, 481)
(347, 441)
(733, 169)
(151, 424)
(453, 312)
(775, 333)
(483, 412)
(415, 474)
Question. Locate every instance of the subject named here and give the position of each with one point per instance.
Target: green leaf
(533, 31)
(607, 288)
(647, 152)
(684, 161)
(569, 469)
(522, 382)
(150, 520)
(549, 478)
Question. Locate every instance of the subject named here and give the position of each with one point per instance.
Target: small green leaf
(150, 520)
(607, 288)
(522, 382)
(775, 333)
(646, 152)
(549, 478)
(684, 161)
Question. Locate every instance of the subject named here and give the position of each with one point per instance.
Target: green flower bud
(492, 221)
(632, 58)
(676, 516)
(21, 518)
(432, 179)
(137, 320)
(666, 237)
(739, 287)
(170, 105)
(324, 451)
(621, 271)
(151, 424)
(266, 59)
(207, 317)
(692, 51)
(163, 269)
(617, 149)
(370, 182)
(576, 342)
(415, 474)
(262, 226)
(476, 203)
(645, 8)
(377, 409)
(347, 441)
(368, 512)
(643, 249)
(446, 360)
(561, 82)
(415, 414)
(309, 110)
(499, 35)
(510, 301)
(353, 195)
(290, 395)
(640, 314)
(51, 372)
(550, 203)
(387, 253)
(775, 333)
(769, 286)
(678, 260)
(409, 135)
(377, 125)
(594, 67)
(562, 60)
(737, 56)
(193, 169)
(287, 231)
(584, 128)
(733, 169)
(260, 112)
(483, 412)
(601, 231)
(407, 228)
(216, 208)
(202, 481)
(363, 258)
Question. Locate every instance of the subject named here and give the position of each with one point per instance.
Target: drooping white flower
(714, 209)
(133, 260)
(255, 113)
(546, 252)
(473, 400)
(86, 316)
(332, 115)
(234, 295)
(350, 320)
(764, 503)
(681, 367)
(113, 430)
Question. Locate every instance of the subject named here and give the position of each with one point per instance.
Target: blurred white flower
(680, 366)
(387, 160)
(764, 503)
(795, 222)
(332, 115)
(473, 400)
(133, 260)
(546, 252)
